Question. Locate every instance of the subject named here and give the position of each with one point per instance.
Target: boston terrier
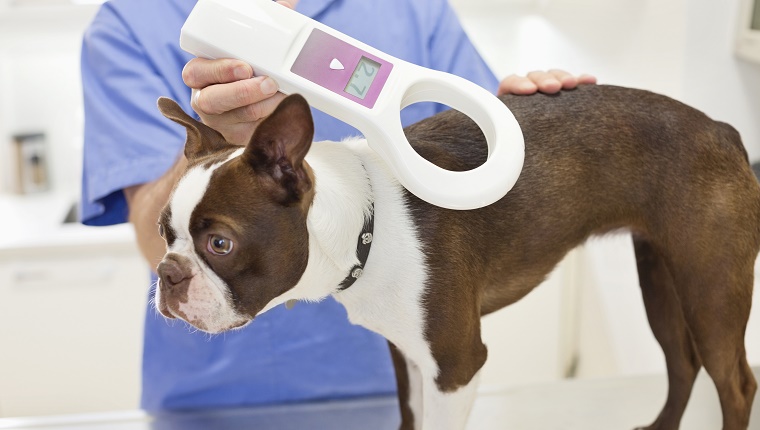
(282, 219)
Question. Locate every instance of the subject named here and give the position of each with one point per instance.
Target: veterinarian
(133, 156)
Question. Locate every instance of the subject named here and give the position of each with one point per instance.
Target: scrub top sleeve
(453, 52)
(126, 139)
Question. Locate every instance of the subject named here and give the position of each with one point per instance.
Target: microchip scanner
(364, 87)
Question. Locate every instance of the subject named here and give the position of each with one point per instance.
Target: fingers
(586, 79)
(553, 81)
(545, 81)
(237, 125)
(514, 84)
(228, 98)
(254, 112)
(200, 72)
(549, 82)
(217, 99)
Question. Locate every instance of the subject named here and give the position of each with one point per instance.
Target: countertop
(598, 404)
(32, 223)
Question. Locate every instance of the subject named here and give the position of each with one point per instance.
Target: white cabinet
(71, 322)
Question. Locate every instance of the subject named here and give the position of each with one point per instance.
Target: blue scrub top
(130, 57)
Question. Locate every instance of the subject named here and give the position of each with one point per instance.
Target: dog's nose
(174, 281)
(172, 273)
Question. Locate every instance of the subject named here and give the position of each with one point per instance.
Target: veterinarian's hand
(227, 96)
(546, 82)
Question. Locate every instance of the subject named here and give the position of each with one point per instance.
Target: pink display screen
(342, 68)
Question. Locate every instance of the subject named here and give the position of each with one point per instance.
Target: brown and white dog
(598, 159)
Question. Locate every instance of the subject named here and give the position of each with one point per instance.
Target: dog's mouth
(163, 308)
(216, 329)
(162, 304)
(209, 324)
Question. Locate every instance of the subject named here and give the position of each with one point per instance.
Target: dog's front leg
(427, 398)
(447, 410)
(450, 379)
(409, 383)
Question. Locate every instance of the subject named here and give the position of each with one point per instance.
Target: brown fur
(598, 159)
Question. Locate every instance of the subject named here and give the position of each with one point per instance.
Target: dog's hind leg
(409, 383)
(669, 327)
(716, 297)
(711, 255)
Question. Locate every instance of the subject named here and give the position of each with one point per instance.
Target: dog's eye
(219, 245)
(161, 230)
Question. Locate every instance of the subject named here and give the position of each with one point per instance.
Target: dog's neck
(343, 199)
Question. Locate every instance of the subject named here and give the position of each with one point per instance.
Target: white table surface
(602, 404)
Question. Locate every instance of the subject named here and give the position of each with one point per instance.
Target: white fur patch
(447, 410)
(415, 393)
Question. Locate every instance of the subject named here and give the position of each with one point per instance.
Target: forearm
(145, 204)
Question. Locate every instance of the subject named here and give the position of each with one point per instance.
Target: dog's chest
(388, 298)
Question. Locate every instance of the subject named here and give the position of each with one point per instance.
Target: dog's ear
(201, 139)
(279, 145)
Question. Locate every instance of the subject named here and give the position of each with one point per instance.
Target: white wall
(726, 88)
(40, 84)
(625, 42)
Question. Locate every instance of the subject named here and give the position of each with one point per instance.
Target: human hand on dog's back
(549, 82)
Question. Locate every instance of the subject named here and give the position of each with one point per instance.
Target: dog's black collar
(362, 250)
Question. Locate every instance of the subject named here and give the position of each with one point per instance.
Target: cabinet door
(71, 331)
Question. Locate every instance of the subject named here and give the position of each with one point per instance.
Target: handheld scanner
(364, 87)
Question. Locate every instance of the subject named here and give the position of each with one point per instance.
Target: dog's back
(603, 158)
(597, 159)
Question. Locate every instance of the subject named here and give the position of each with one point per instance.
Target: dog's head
(235, 225)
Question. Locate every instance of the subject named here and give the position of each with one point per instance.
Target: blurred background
(72, 299)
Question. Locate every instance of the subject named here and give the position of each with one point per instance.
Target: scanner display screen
(362, 78)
